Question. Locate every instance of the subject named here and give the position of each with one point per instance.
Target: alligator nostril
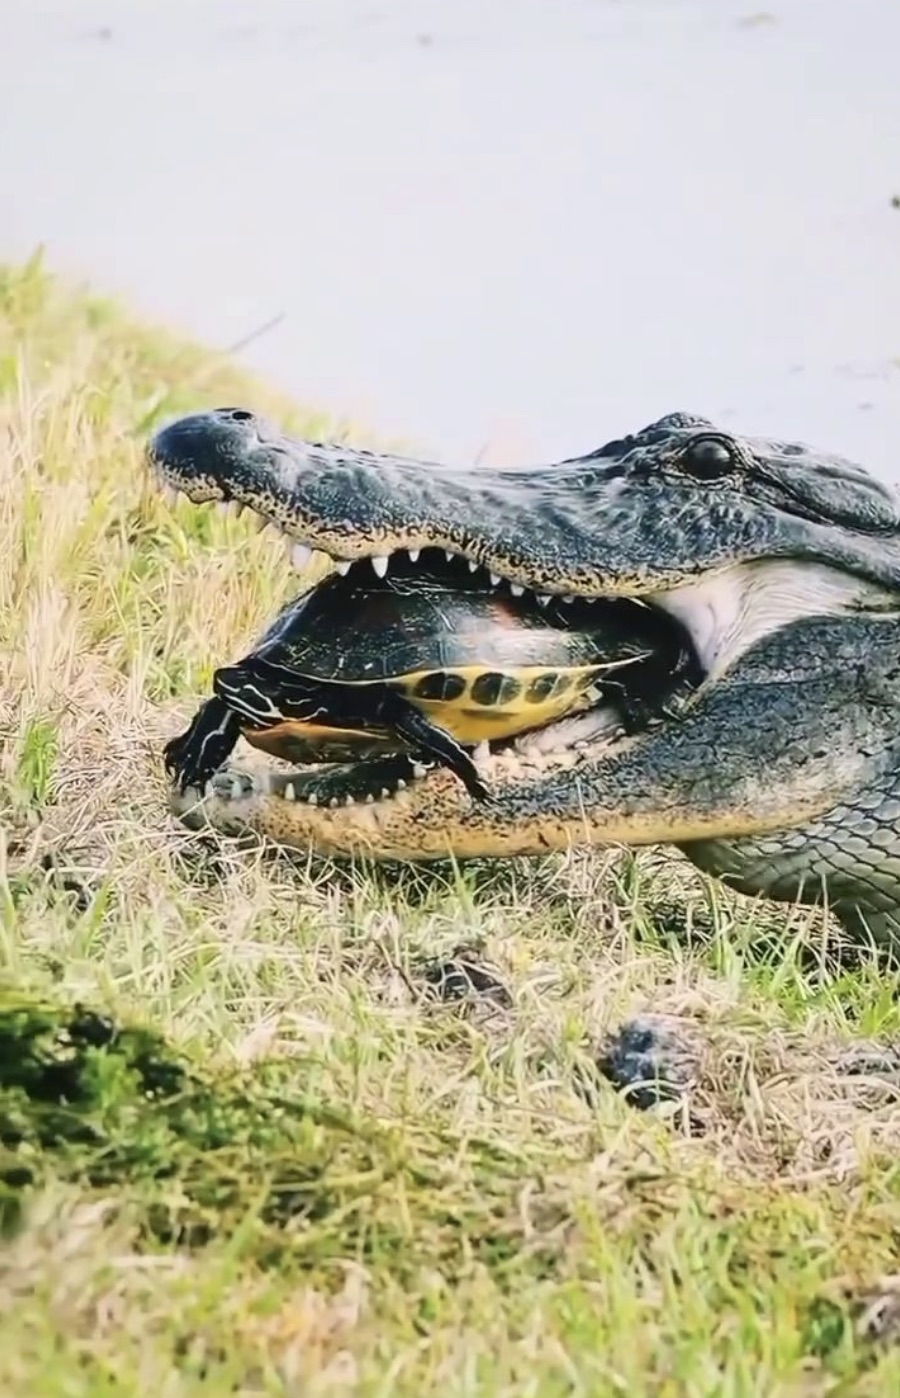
(236, 414)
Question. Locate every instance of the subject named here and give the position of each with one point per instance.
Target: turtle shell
(480, 664)
(362, 628)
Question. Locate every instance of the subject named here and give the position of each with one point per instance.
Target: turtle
(424, 659)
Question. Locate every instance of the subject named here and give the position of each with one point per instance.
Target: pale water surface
(507, 227)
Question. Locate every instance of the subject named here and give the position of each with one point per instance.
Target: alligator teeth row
(289, 793)
(303, 555)
(509, 763)
(234, 786)
(564, 744)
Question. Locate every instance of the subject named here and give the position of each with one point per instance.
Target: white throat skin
(730, 611)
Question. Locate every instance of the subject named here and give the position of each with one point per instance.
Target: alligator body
(781, 772)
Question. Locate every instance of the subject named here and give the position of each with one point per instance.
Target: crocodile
(779, 774)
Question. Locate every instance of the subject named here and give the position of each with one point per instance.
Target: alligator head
(781, 774)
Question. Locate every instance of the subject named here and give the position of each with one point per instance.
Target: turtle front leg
(197, 754)
(434, 742)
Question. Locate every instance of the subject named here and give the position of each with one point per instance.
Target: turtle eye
(708, 457)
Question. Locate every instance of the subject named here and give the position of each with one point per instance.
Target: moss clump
(111, 1106)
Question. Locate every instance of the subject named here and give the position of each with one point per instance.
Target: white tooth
(473, 565)
(495, 580)
(567, 597)
(236, 788)
(419, 771)
(401, 785)
(543, 598)
(449, 555)
(312, 799)
(301, 556)
(482, 751)
(333, 802)
(290, 792)
(370, 799)
(349, 801)
(516, 589)
(344, 567)
(414, 555)
(380, 564)
(385, 794)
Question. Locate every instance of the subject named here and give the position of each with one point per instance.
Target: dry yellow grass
(481, 1213)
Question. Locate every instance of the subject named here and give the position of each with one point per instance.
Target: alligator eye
(708, 457)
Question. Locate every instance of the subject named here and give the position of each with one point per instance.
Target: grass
(242, 1150)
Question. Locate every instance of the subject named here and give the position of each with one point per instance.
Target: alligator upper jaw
(522, 527)
(641, 515)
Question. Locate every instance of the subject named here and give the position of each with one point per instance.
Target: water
(500, 229)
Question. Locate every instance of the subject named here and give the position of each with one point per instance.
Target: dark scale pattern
(546, 687)
(494, 688)
(439, 685)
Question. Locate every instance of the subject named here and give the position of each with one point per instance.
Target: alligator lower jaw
(396, 806)
(392, 808)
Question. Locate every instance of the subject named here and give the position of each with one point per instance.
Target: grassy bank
(244, 1145)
